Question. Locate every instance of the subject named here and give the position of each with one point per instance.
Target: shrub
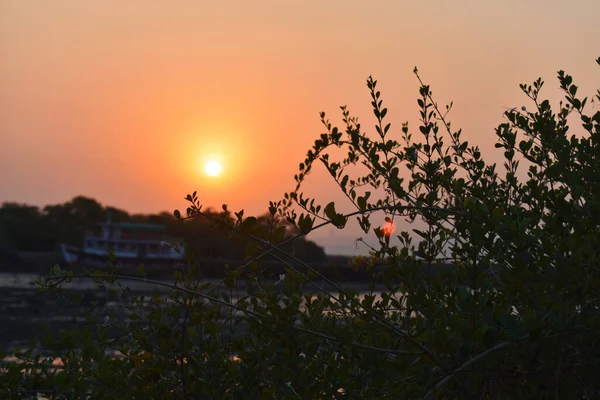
(514, 316)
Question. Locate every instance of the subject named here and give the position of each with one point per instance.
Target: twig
(355, 344)
(464, 366)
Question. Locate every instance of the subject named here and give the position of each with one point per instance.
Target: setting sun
(213, 168)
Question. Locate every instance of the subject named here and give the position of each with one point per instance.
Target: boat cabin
(129, 240)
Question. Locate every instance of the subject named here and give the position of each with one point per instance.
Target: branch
(464, 366)
(355, 344)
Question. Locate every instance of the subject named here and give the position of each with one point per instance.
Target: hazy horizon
(124, 102)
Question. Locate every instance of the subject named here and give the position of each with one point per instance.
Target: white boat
(130, 243)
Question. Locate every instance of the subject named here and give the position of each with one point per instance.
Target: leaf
(525, 145)
(364, 223)
(226, 297)
(362, 203)
(482, 207)
(468, 203)
(573, 90)
(279, 233)
(497, 214)
(305, 223)
(344, 182)
(248, 224)
(330, 210)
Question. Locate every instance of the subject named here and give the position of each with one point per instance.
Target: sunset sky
(126, 101)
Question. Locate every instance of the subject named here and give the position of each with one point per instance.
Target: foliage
(515, 317)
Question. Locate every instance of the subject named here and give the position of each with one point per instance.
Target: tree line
(28, 228)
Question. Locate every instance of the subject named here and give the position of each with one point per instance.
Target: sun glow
(388, 228)
(213, 168)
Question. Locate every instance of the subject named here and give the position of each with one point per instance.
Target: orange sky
(124, 100)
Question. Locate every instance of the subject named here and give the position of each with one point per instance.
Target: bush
(516, 315)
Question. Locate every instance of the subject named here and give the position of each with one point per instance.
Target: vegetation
(25, 228)
(516, 317)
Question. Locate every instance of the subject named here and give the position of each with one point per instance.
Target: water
(17, 280)
(28, 281)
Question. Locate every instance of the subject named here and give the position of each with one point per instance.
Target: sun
(388, 228)
(213, 168)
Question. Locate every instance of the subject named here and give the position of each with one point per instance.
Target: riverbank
(334, 267)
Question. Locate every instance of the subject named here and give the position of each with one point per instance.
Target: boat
(125, 243)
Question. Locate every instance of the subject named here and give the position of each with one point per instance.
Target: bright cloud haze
(126, 102)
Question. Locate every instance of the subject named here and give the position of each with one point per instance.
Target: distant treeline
(26, 228)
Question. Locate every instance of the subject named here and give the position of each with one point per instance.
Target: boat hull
(77, 255)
